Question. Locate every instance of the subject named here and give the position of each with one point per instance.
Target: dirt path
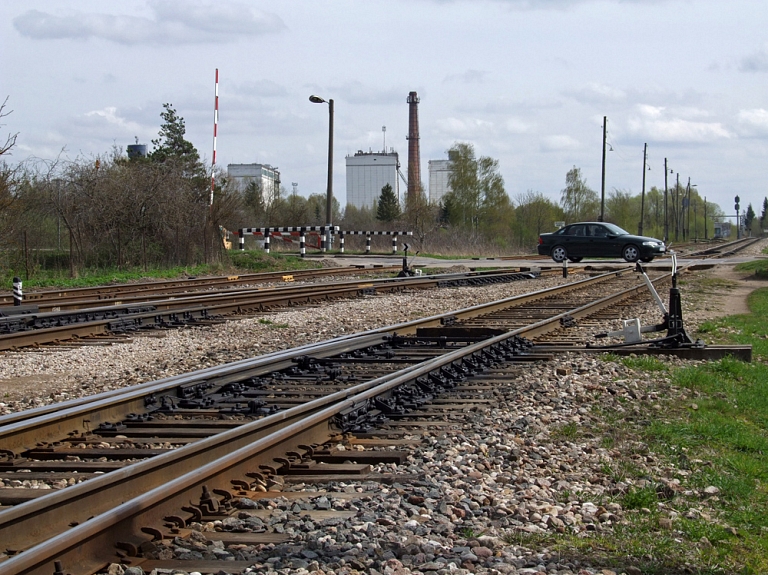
(732, 289)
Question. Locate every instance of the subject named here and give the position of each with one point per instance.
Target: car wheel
(630, 253)
(646, 260)
(559, 254)
(575, 260)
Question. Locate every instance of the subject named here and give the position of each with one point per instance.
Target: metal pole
(642, 195)
(329, 198)
(687, 206)
(706, 232)
(602, 195)
(677, 207)
(666, 194)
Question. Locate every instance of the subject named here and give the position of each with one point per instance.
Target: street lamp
(329, 197)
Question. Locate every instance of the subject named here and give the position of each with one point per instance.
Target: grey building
(266, 176)
(368, 173)
(439, 172)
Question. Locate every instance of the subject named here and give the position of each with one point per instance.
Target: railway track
(217, 437)
(77, 318)
(720, 250)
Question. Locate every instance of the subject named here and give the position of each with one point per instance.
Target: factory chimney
(414, 157)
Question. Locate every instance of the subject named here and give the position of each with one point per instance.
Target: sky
(526, 82)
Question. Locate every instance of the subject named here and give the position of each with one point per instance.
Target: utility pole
(602, 194)
(677, 207)
(642, 195)
(706, 233)
(666, 195)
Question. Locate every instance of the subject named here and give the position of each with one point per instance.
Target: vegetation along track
(161, 310)
(219, 436)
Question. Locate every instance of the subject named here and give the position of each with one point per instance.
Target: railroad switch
(407, 270)
(676, 337)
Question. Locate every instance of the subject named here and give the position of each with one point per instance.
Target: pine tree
(171, 143)
(388, 209)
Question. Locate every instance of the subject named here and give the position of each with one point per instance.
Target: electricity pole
(602, 194)
(642, 195)
(666, 195)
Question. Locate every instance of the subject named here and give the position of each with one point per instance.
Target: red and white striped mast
(215, 129)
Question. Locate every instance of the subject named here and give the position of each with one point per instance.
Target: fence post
(266, 241)
(341, 242)
(302, 242)
(17, 294)
(241, 241)
(367, 244)
(394, 244)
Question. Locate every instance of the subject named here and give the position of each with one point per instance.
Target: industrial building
(439, 173)
(266, 176)
(368, 173)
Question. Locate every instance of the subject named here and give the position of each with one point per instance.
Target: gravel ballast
(532, 465)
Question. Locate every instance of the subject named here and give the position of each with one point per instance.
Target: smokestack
(414, 157)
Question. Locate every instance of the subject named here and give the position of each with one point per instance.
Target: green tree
(579, 201)
(749, 218)
(622, 209)
(388, 209)
(171, 143)
(477, 197)
(764, 214)
(534, 214)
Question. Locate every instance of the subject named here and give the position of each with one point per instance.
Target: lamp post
(329, 196)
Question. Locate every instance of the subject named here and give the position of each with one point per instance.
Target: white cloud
(597, 93)
(657, 124)
(754, 121)
(465, 128)
(109, 116)
(173, 22)
(517, 126)
(559, 142)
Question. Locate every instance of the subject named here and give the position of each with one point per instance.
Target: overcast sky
(527, 82)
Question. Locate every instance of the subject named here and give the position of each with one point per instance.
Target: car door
(575, 240)
(604, 243)
(597, 237)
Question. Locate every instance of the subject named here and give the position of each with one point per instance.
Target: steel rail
(65, 418)
(89, 545)
(175, 310)
(185, 284)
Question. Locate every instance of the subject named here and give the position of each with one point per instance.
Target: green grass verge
(235, 262)
(709, 423)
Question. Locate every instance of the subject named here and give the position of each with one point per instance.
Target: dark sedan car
(598, 240)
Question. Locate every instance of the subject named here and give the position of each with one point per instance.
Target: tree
(420, 217)
(534, 215)
(171, 143)
(579, 202)
(622, 209)
(10, 141)
(388, 209)
(749, 218)
(8, 212)
(764, 214)
(477, 195)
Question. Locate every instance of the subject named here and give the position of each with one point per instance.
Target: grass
(712, 433)
(236, 262)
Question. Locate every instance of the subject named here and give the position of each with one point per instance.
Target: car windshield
(614, 229)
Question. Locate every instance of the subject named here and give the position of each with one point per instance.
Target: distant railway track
(227, 433)
(722, 250)
(159, 310)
